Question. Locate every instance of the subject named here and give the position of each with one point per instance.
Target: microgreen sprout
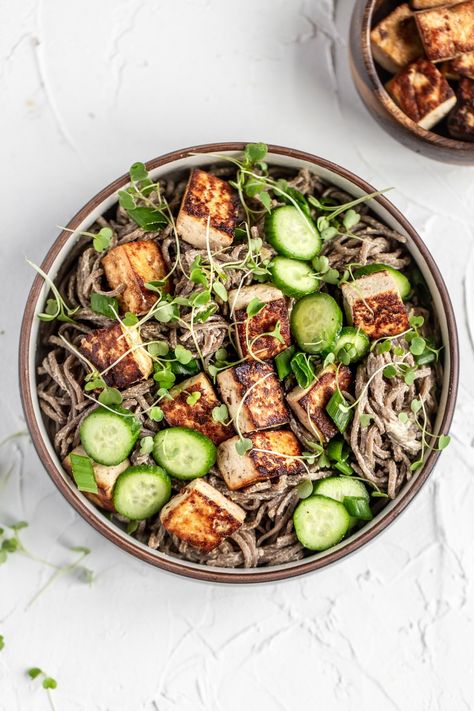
(101, 240)
(56, 308)
(47, 682)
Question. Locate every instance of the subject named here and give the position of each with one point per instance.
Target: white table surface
(86, 88)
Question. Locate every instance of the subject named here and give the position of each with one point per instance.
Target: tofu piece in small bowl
(448, 31)
(395, 40)
(104, 476)
(135, 264)
(309, 404)
(201, 516)
(280, 456)
(178, 413)
(461, 120)
(422, 93)
(373, 304)
(251, 341)
(209, 205)
(252, 392)
(106, 346)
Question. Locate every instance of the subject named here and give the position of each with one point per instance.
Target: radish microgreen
(193, 397)
(146, 445)
(56, 308)
(104, 305)
(220, 413)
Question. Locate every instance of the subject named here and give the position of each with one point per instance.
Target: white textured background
(86, 88)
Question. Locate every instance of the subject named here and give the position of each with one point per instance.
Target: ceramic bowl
(62, 252)
(369, 80)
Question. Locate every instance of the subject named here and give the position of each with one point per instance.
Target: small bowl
(62, 253)
(366, 76)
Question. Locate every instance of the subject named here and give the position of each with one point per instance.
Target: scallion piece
(83, 473)
(334, 449)
(357, 507)
(282, 362)
(337, 409)
(344, 468)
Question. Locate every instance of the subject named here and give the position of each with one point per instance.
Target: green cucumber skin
(195, 439)
(323, 540)
(120, 491)
(337, 487)
(404, 286)
(355, 337)
(278, 266)
(327, 342)
(90, 427)
(285, 243)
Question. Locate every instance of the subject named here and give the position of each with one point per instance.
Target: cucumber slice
(108, 436)
(316, 321)
(339, 487)
(354, 342)
(292, 234)
(292, 277)
(404, 286)
(141, 491)
(320, 522)
(184, 453)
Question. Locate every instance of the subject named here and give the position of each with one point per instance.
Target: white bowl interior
(205, 159)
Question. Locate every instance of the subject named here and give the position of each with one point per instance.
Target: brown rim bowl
(365, 73)
(62, 253)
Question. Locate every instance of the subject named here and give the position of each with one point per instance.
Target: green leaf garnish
(104, 305)
(110, 396)
(146, 445)
(182, 354)
(102, 239)
(193, 397)
(243, 445)
(220, 413)
(254, 307)
(156, 414)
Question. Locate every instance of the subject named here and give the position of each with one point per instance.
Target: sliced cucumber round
(338, 487)
(354, 342)
(184, 453)
(141, 491)
(316, 321)
(404, 286)
(109, 436)
(320, 522)
(292, 277)
(292, 233)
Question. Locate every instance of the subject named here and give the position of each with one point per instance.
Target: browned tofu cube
(447, 32)
(105, 478)
(422, 93)
(209, 205)
(428, 4)
(135, 264)
(395, 40)
(309, 404)
(280, 456)
(250, 329)
(462, 66)
(461, 119)
(373, 304)
(178, 413)
(119, 351)
(201, 515)
(252, 392)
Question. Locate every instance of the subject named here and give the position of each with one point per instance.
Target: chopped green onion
(282, 362)
(334, 449)
(337, 409)
(83, 473)
(344, 468)
(358, 507)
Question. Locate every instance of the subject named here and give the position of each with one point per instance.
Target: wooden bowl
(63, 251)
(369, 80)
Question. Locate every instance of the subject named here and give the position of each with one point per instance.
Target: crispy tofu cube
(104, 476)
(106, 346)
(134, 264)
(253, 392)
(209, 203)
(428, 4)
(309, 404)
(395, 40)
(201, 515)
(422, 93)
(250, 342)
(373, 304)
(281, 446)
(462, 66)
(447, 32)
(198, 416)
(461, 120)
